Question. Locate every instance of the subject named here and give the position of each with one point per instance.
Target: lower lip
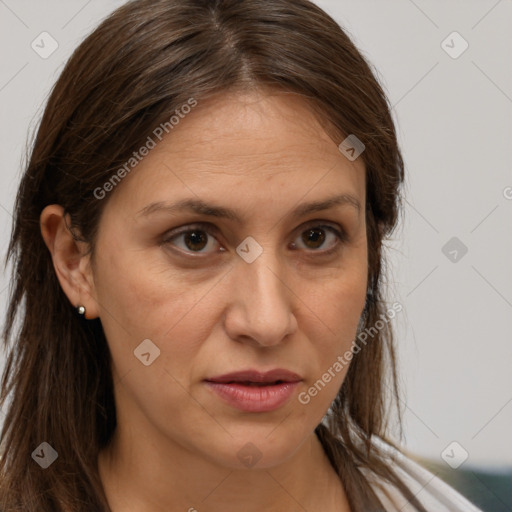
(254, 398)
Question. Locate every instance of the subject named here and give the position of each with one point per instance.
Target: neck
(145, 476)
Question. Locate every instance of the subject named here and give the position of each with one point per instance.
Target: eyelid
(322, 223)
(205, 226)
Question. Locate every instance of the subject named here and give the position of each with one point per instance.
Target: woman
(197, 318)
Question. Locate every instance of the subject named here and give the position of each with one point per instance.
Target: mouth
(250, 383)
(254, 391)
(277, 376)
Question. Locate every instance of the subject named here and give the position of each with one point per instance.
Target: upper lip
(256, 376)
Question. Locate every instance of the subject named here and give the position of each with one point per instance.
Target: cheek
(140, 300)
(337, 305)
(338, 301)
(144, 301)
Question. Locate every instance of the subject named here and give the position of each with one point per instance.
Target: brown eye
(321, 239)
(313, 238)
(195, 240)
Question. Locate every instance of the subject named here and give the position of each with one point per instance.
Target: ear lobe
(70, 259)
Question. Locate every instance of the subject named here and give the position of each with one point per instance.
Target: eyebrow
(200, 207)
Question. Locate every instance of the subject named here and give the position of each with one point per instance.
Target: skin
(295, 307)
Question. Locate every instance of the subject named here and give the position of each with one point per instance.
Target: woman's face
(221, 247)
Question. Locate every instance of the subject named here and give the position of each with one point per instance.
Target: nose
(260, 311)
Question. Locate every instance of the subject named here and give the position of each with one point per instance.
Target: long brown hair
(141, 64)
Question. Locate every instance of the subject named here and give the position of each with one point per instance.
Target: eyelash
(210, 230)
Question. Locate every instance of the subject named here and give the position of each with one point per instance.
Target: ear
(70, 259)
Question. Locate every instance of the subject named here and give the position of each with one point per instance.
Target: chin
(260, 448)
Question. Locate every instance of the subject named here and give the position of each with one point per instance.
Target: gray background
(454, 121)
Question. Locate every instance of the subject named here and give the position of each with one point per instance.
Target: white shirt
(434, 494)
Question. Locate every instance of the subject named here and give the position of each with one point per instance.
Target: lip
(255, 391)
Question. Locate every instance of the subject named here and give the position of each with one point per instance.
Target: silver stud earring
(80, 310)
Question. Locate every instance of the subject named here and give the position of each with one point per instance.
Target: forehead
(259, 144)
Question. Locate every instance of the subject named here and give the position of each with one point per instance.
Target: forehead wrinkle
(273, 162)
